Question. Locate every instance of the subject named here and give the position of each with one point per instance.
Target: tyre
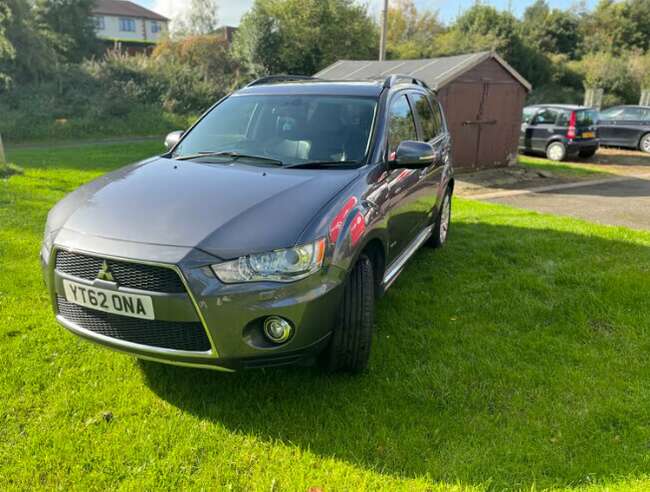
(349, 349)
(587, 154)
(644, 144)
(443, 221)
(556, 151)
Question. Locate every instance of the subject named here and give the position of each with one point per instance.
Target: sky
(230, 11)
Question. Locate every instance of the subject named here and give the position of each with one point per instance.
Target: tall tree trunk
(2, 152)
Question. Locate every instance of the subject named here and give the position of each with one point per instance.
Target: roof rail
(395, 79)
(279, 78)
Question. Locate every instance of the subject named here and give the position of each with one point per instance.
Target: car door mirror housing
(172, 139)
(413, 155)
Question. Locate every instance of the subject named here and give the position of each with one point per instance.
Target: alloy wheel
(445, 215)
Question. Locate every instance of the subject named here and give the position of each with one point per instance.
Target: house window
(127, 25)
(155, 27)
(99, 23)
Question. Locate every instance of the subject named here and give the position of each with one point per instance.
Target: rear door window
(547, 117)
(401, 125)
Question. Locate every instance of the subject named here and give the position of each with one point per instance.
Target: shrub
(8, 170)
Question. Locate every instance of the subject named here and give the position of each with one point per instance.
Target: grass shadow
(515, 357)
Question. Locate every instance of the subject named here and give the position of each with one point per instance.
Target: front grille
(133, 275)
(189, 336)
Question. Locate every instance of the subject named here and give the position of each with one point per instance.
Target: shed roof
(436, 72)
(124, 8)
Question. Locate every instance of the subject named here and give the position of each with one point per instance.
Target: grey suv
(265, 233)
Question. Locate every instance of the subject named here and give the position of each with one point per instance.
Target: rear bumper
(576, 146)
(231, 315)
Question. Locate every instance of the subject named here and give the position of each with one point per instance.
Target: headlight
(282, 265)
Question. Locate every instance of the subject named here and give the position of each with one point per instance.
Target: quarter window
(401, 125)
(430, 124)
(633, 114)
(127, 25)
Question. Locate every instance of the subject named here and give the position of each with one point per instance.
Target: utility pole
(384, 29)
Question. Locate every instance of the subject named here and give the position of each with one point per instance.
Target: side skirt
(393, 271)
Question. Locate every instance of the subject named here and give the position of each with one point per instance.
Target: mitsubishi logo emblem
(105, 273)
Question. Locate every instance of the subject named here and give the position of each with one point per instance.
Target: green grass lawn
(515, 358)
(578, 170)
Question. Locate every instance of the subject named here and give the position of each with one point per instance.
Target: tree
(199, 19)
(617, 26)
(639, 69)
(410, 32)
(304, 36)
(7, 51)
(551, 31)
(71, 23)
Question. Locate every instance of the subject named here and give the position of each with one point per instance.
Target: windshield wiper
(325, 164)
(231, 155)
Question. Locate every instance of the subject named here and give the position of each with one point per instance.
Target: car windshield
(290, 129)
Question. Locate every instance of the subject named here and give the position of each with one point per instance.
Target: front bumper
(230, 315)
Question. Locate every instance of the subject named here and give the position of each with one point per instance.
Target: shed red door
(484, 119)
(499, 124)
(462, 104)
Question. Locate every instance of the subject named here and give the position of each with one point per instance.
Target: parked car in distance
(266, 231)
(559, 131)
(625, 126)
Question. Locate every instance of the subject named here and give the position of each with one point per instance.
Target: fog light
(276, 329)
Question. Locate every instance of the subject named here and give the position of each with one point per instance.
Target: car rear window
(586, 117)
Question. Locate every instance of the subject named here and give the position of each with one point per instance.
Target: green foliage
(303, 36)
(410, 33)
(639, 68)
(617, 26)
(71, 21)
(551, 31)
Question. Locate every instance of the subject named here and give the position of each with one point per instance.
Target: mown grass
(563, 169)
(515, 358)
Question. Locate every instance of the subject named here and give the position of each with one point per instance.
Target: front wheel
(349, 348)
(644, 145)
(556, 151)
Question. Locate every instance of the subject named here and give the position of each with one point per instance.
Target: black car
(559, 131)
(264, 233)
(625, 126)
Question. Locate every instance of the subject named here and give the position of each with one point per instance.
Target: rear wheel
(586, 154)
(441, 227)
(349, 348)
(644, 145)
(556, 151)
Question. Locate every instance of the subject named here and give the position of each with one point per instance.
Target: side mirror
(172, 139)
(413, 155)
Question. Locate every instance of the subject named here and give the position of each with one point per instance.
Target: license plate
(109, 301)
(588, 135)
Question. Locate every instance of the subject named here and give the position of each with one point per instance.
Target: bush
(123, 95)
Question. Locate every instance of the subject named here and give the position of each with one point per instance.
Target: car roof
(629, 106)
(363, 88)
(570, 107)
